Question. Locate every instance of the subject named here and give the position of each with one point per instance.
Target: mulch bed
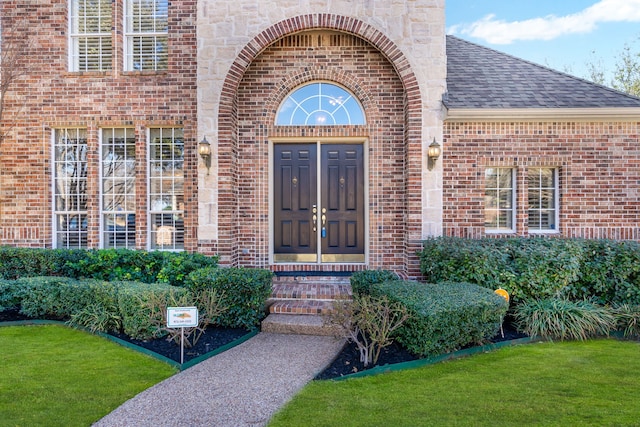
(347, 361)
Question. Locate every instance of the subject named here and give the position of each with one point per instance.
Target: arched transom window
(318, 104)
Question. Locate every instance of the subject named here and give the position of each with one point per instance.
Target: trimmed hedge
(361, 281)
(607, 271)
(136, 315)
(244, 290)
(103, 264)
(444, 317)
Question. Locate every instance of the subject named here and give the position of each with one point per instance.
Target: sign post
(182, 317)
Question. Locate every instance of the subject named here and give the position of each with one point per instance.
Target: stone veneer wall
(599, 173)
(232, 34)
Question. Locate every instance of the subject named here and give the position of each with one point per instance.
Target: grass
(591, 383)
(56, 376)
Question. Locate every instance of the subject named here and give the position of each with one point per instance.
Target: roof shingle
(483, 78)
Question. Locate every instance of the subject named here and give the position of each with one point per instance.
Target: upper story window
(318, 104)
(542, 186)
(90, 35)
(499, 200)
(146, 35)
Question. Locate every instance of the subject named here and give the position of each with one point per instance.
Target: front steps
(298, 302)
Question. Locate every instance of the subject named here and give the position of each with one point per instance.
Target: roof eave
(542, 114)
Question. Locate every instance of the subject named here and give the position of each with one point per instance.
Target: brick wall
(369, 75)
(599, 173)
(52, 97)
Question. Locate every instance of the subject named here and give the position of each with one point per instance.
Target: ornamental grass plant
(559, 318)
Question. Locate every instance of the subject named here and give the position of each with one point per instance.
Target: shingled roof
(483, 78)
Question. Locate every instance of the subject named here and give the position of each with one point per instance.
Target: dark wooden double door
(319, 203)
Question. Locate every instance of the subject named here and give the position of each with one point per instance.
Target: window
(118, 188)
(166, 189)
(90, 35)
(499, 199)
(543, 200)
(320, 104)
(70, 188)
(146, 34)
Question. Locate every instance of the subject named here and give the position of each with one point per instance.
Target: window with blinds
(90, 35)
(146, 35)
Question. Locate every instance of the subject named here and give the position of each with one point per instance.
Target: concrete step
(299, 324)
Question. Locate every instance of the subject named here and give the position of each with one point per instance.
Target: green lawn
(592, 383)
(56, 376)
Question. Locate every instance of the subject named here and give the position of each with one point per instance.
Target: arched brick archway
(230, 208)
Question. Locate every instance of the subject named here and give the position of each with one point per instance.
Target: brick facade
(599, 174)
(232, 62)
(51, 97)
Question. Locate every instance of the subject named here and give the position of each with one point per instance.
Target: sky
(561, 34)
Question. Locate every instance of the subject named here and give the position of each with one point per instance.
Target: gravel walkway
(243, 386)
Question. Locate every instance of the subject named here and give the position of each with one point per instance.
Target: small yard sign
(182, 317)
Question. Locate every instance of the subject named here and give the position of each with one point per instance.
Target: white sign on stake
(182, 317)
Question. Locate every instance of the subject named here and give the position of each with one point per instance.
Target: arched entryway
(388, 142)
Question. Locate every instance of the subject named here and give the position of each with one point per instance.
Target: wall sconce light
(433, 153)
(204, 149)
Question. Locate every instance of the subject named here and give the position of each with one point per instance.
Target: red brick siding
(599, 174)
(365, 72)
(394, 132)
(54, 97)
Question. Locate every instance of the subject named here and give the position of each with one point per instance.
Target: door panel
(342, 183)
(295, 186)
(339, 210)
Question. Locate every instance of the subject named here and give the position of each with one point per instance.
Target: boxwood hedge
(444, 317)
(604, 270)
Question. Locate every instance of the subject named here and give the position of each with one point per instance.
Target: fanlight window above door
(320, 104)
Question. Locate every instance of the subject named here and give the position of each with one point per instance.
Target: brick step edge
(300, 306)
(311, 291)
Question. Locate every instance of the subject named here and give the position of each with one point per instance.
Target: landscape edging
(437, 359)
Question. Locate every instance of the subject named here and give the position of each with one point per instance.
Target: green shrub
(361, 281)
(177, 266)
(560, 318)
(102, 264)
(610, 272)
(244, 291)
(444, 317)
(10, 295)
(485, 262)
(30, 262)
(102, 313)
(134, 309)
(533, 268)
(52, 296)
(544, 267)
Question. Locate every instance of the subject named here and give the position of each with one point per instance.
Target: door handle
(324, 219)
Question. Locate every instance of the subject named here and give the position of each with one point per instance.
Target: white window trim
(55, 212)
(127, 35)
(73, 39)
(514, 207)
(151, 212)
(556, 180)
(101, 185)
